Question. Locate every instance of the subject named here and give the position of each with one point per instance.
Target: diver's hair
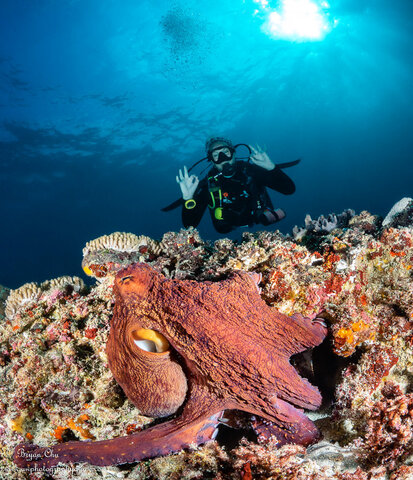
(212, 140)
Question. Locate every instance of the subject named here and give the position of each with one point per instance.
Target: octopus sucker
(193, 350)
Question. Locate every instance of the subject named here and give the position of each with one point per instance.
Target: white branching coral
(21, 297)
(121, 242)
(62, 282)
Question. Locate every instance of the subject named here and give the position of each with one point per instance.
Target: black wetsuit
(238, 200)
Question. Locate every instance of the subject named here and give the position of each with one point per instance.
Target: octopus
(190, 351)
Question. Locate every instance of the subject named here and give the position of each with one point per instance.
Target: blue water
(102, 101)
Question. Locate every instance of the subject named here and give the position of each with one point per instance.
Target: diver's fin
(173, 205)
(289, 164)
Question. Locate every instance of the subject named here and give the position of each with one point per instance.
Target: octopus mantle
(192, 350)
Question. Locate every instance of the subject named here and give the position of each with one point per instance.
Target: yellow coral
(76, 425)
(360, 325)
(16, 424)
(346, 334)
(346, 340)
(88, 271)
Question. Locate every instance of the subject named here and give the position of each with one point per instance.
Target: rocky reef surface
(356, 269)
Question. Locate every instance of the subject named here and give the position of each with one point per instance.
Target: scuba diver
(234, 191)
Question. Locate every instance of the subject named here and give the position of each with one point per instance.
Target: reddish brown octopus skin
(228, 350)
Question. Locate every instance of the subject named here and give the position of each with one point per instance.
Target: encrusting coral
(56, 385)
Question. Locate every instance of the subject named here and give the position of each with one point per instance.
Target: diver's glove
(187, 183)
(261, 158)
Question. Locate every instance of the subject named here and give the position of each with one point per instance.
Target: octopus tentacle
(293, 426)
(197, 424)
(302, 332)
(298, 391)
(282, 420)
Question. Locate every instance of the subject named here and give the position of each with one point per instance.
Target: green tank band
(190, 204)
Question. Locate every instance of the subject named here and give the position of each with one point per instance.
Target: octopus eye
(124, 279)
(150, 340)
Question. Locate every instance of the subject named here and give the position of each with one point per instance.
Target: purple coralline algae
(354, 270)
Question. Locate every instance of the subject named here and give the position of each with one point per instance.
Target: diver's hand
(187, 183)
(260, 158)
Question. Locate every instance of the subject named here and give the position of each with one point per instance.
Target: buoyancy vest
(237, 199)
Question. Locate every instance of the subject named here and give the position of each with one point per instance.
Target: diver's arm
(268, 174)
(194, 208)
(275, 179)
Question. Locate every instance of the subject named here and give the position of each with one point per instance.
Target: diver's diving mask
(221, 154)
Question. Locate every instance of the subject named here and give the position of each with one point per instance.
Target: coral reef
(25, 296)
(56, 385)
